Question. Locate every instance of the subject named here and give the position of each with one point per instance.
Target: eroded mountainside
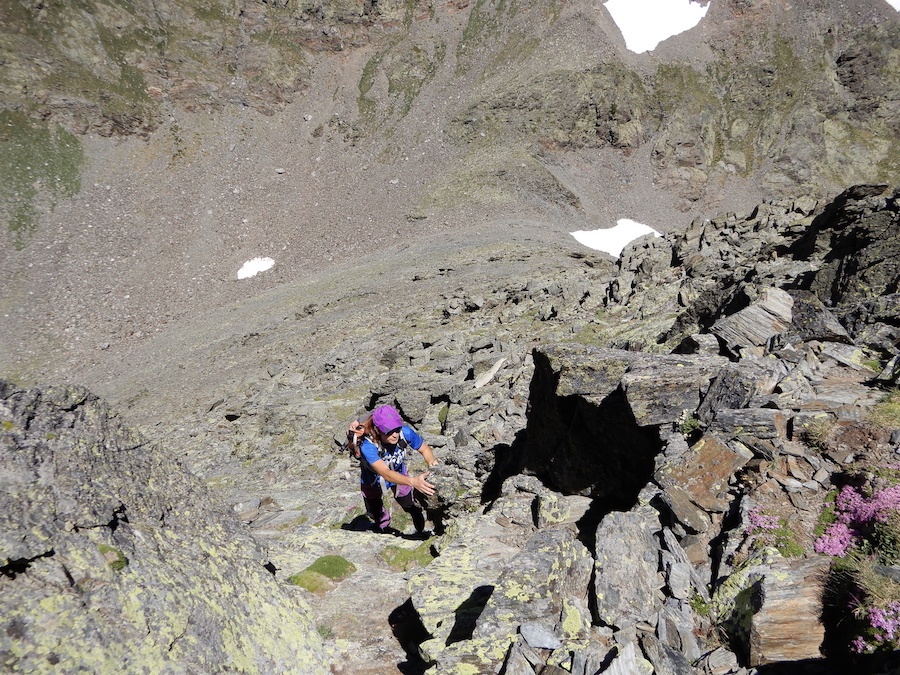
(761, 85)
(148, 149)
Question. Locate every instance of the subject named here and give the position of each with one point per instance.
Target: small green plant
(766, 530)
(404, 559)
(699, 605)
(689, 425)
(815, 433)
(325, 632)
(786, 541)
(873, 365)
(828, 515)
(885, 540)
(886, 412)
(8, 425)
(114, 557)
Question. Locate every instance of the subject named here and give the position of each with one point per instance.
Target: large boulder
(541, 593)
(594, 414)
(116, 559)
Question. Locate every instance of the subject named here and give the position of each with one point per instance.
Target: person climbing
(382, 454)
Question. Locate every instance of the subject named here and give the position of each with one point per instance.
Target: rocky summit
(681, 460)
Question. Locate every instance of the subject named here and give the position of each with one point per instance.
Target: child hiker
(384, 439)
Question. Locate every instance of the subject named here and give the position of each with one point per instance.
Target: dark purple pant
(372, 496)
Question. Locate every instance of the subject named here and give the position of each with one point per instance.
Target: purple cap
(386, 418)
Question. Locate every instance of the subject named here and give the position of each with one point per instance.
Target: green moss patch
(311, 581)
(37, 161)
(404, 559)
(321, 576)
(333, 566)
(887, 412)
(114, 557)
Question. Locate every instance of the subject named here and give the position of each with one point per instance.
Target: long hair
(371, 432)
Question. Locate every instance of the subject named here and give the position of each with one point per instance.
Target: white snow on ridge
(646, 23)
(253, 267)
(613, 239)
(895, 4)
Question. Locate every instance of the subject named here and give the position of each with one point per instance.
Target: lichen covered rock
(115, 558)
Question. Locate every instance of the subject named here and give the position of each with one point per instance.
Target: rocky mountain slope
(115, 559)
(599, 509)
(310, 132)
(636, 454)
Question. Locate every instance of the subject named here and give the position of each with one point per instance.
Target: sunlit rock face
(116, 559)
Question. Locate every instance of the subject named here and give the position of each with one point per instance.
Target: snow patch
(895, 4)
(646, 23)
(613, 239)
(253, 267)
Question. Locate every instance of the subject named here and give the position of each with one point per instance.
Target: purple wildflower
(886, 621)
(836, 541)
(760, 521)
(854, 512)
(860, 646)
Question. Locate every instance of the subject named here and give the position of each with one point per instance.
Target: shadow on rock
(359, 524)
(410, 633)
(467, 614)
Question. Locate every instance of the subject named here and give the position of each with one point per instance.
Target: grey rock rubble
(674, 450)
(604, 436)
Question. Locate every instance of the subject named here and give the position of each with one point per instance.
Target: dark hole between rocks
(119, 516)
(577, 445)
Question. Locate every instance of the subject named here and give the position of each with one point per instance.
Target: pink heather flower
(837, 540)
(885, 620)
(860, 646)
(853, 507)
(854, 511)
(760, 521)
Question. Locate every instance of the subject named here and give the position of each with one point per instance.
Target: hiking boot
(418, 518)
(387, 530)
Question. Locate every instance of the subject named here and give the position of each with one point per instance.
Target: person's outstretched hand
(419, 483)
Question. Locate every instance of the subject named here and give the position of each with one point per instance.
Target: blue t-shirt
(393, 455)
